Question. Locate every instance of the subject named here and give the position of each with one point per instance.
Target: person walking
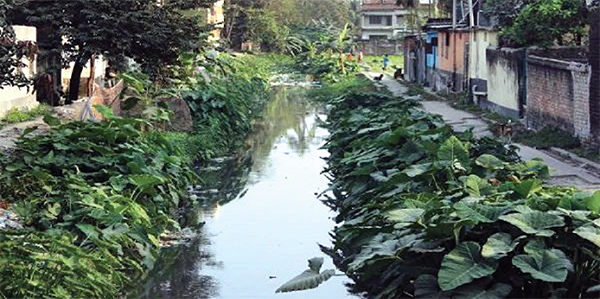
(386, 61)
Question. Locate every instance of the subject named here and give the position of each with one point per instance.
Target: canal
(263, 220)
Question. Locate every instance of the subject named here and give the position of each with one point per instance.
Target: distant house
(216, 17)
(454, 53)
(383, 24)
(14, 97)
(382, 19)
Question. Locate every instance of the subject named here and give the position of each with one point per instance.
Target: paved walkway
(563, 170)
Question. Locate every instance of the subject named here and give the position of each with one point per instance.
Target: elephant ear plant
(96, 197)
(429, 213)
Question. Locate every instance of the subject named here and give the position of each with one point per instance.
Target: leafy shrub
(16, 115)
(425, 212)
(99, 195)
(549, 137)
(223, 110)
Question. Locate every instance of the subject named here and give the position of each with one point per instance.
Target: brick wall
(558, 95)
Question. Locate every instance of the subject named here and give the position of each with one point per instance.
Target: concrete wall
(380, 47)
(13, 97)
(558, 94)
(505, 81)
(479, 41)
(451, 58)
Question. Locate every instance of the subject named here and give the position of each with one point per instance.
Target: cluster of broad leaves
(95, 197)
(425, 212)
(322, 52)
(225, 104)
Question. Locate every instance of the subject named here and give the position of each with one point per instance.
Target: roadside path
(568, 171)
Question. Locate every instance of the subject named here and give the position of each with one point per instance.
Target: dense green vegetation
(277, 25)
(539, 22)
(426, 212)
(96, 197)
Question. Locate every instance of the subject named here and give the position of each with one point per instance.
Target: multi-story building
(383, 19)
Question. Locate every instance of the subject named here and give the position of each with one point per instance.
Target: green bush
(549, 137)
(425, 212)
(16, 115)
(224, 110)
(99, 195)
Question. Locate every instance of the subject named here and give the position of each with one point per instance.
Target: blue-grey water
(254, 243)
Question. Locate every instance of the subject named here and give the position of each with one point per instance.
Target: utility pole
(453, 14)
(471, 17)
(594, 20)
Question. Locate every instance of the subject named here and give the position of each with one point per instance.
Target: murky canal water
(263, 237)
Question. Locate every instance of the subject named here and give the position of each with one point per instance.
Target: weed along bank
(424, 211)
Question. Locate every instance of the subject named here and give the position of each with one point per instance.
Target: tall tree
(151, 34)
(12, 51)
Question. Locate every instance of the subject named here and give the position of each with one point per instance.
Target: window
(388, 20)
(376, 37)
(375, 20)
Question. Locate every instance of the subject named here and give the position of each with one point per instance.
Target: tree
(151, 34)
(271, 23)
(505, 11)
(540, 22)
(12, 52)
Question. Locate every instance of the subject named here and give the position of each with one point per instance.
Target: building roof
(434, 23)
(379, 5)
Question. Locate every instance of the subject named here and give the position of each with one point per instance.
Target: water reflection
(178, 273)
(285, 117)
(255, 243)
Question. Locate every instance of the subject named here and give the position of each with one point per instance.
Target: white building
(383, 19)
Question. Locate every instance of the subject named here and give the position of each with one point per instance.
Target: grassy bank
(427, 212)
(96, 197)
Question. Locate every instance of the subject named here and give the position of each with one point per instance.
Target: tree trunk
(594, 58)
(76, 78)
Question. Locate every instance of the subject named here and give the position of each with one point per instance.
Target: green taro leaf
(534, 246)
(308, 279)
(526, 188)
(145, 180)
(453, 149)
(545, 265)
(593, 202)
(464, 264)
(478, 212)
(590, 233)
(426, 287)
(490, 162)
(52, 121)
(418, 169)
(476, 186)
(498, 245)
(382, 245)
(535, 222)
(405, 217)
(477, 290)
(89, 230)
